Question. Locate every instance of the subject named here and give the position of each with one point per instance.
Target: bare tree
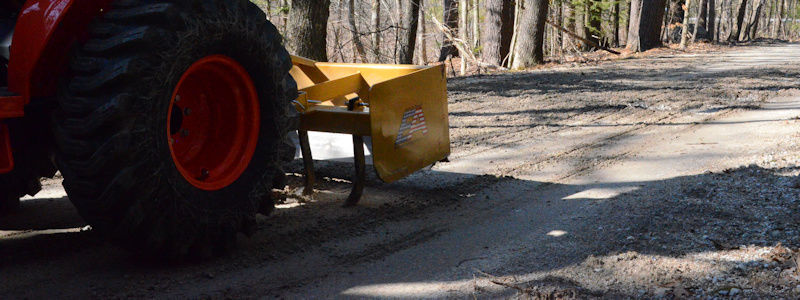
(423, 36)
(701, 24)
(376, 25)
(555, 35)
(789, 5)
(723, 15)
(779, 25)
(579, 12)
(644, 30)
(529, 50)
(592, 24)
(673, 17)
(517, 11)
(685, 24)
(351, 18)
(711, 18)
(463, 16)
(308, 28)
(615, 24)
(569, 23)
(476, 20)
(451, 22)
(408, 39)
(286, 6)
(752, 26)
(337, 44)
(498, 27)
(735, 34)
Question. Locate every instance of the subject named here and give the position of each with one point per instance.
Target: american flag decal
(413, 122)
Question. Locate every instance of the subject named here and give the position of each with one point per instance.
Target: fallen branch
(508, 285)
(570, 33)
(496, 280)
(461, 46)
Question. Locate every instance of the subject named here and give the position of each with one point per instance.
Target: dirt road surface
(666, 176)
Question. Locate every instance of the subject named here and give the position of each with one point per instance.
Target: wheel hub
(213, 122)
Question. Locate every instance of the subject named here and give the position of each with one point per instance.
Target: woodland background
(516, 34)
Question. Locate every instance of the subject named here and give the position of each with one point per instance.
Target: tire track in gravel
(586, 165)
(488, 137)
(536, 129)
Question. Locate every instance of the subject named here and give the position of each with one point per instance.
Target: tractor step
(12, 105)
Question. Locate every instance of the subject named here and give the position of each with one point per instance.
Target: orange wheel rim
(213, 122)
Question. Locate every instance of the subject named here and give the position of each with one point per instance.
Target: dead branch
(496, 280)
(570, 33)
(461, 45)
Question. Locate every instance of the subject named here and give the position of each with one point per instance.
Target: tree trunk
(398, 26)
(779, 28)
(569, 23)
(752, 27)
(645, 24)
(731, 17)
(337, 34)
(675, 17)
(529, 50)
(724, 14)
(517, 16)
(463, 16)
(476, 19)
(557, 36)
(789, 23)
(376, 26)
(451, 21)
(548, 34)
(615, 39)
(770, 21)
(685, 24)
(711, 28)
(736, 32)
(308, 28)
(719, 27)
(351, 18)
(785, 9)
(624, 37)
(593, 23)
(700, 26)
(286, 7)
(408, 39)
(580, 23)
(498, 26)
(423, 37)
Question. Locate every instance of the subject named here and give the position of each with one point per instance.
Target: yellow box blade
(410, 128)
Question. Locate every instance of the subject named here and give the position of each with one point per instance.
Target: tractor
(170, 120)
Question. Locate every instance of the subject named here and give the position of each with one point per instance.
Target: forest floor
(668, 175)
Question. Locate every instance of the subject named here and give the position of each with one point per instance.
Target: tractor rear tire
(115, 122)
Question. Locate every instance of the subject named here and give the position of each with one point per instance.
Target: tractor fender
(44, 33)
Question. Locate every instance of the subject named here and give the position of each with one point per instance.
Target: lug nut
(177, 98)
(187, 111)
(184, 132)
